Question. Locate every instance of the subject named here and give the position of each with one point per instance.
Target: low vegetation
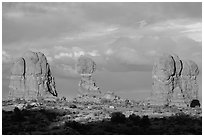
(41, 121)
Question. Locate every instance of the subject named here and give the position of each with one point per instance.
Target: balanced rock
(31, 77)
(85, 67)
(174, 81)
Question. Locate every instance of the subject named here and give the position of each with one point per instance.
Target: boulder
(85, 65)
(195, 103)
(31, 77)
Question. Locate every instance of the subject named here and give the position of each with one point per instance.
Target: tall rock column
(162, 86)
(31, 77)
(85, 67)
(188, 81)
(174, 81)
(17, 79)
(177, 98)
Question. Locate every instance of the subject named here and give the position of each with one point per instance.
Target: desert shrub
(18, 115)
(79, 127)
(117, 117)
(134, 118)
(145, 122)
(73, 124)
(42, 120)
(181, 118)
(51, 114)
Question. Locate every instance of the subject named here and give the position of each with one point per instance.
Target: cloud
(93, 53)
(124, 34)
(86, 20)
(74, 52)
(62, 54)
(128, 14)
(64, 71)
(129, 56)
(6, 58)
(109, 51)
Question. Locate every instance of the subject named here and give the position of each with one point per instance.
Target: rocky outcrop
(85, 67)
(174, 81)
(31, 77)
(109, 95)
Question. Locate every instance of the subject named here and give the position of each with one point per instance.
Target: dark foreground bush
(118, 117)
(145, 122)
(39, 121)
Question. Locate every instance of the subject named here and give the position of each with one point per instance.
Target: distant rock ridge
(85, 67)
(174, 81)
(31, 77)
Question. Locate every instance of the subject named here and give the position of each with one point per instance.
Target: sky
(122, 38)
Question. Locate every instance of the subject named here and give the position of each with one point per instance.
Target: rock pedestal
(31, 77)
(85, 67)
(88, 86)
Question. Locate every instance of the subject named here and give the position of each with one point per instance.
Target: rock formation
(31, 77)
(162, 73)
(85, 67)
(174, 81)
(188, 82)
(109, 95)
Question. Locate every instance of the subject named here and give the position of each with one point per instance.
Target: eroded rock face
(85, 67)
(31, 77)
(162, 73)
(188, 82)
(174, 81)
